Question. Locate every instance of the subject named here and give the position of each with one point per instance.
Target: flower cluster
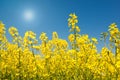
(26, 58)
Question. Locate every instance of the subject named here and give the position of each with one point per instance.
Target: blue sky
(51, 15)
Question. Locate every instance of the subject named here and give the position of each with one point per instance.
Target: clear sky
(51, 15)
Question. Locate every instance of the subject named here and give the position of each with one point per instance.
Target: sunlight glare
(28, 15)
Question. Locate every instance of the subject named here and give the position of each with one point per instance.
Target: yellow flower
(2, 28)
(73, 15)
(30, 38)
(77, 29)
(71, 37)
(54, 35)
(43, 36)
(118, 64)
(13, 31)
(72, 22)
(94, 40)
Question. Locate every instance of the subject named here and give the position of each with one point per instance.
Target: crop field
(78, 58)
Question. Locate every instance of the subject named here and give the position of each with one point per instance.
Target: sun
(28, 15)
